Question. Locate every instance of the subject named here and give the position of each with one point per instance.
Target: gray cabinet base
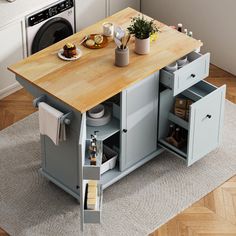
(61, 185)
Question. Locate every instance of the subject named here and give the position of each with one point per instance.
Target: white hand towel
(49, 122)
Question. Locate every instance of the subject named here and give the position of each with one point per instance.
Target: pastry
(98, 39)
(90, 42)
(69, 50)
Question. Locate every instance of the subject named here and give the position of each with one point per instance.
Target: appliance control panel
(50, 12)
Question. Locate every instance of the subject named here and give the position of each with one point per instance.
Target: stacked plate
(98, 116)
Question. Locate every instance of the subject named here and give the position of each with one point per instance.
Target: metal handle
(208, 116)
(66, 118)
(125, 130)
(193, 75)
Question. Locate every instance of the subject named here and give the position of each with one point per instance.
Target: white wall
(212, 21)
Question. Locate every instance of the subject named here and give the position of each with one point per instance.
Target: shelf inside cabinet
(110, 175)
(105, 131)
(177, 120)
(181, 151)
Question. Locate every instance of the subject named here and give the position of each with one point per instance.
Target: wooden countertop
(94, 78)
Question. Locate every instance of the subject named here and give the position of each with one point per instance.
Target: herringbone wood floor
(213, 215)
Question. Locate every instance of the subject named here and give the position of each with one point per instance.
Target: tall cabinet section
(199, 130)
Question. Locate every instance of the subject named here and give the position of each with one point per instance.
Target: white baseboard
(9, 90)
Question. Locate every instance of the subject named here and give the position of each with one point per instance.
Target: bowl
(97, 111)
(172, 67)
(182, 61)
(99, 121)
(187, 62)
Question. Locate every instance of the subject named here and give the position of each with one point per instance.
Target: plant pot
(142, 46)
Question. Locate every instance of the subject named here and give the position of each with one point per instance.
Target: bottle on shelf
(180, 26)
(171, 130)
(178, 134)
(93, 148)
(186, 31)
(190, 34)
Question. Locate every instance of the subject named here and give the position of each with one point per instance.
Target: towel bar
(66, 118)
(36, 101)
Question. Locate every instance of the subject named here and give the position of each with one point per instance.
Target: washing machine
(49, 25)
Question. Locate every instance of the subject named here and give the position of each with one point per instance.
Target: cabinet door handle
(193, 75)
(208, 116)
(125, 130)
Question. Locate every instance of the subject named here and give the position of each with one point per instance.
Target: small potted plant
(142, 29)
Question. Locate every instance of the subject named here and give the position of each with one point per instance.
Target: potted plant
(142, 29)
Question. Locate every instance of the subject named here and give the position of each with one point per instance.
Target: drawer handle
(193, 75)
(125, 130)
(208, 116)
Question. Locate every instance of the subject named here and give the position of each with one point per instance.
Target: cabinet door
(82, 147)
(11, 52)
(204, 126)
(118, 5)
(89, 12)
(206, 120)
(139, 121)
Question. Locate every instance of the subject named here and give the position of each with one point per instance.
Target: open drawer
(93, 172)
(93, 216)
(87, 173)
(188, 75)
(204, 126)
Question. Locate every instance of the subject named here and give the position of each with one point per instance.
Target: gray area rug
(136, 205)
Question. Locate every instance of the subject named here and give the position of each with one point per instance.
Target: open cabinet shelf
(178, 121)
(110, 175)
(180, 151)
(105, 131)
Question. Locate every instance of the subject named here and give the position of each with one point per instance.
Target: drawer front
(206, 119)
(196, 70)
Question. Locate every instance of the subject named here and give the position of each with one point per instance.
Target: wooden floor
(213, 215)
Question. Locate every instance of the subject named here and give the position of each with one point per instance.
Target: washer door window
(51, 32)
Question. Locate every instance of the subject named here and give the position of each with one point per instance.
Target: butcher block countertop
(94, 78)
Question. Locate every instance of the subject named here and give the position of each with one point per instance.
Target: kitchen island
(142, 97)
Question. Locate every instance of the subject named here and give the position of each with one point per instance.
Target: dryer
(49, 25)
